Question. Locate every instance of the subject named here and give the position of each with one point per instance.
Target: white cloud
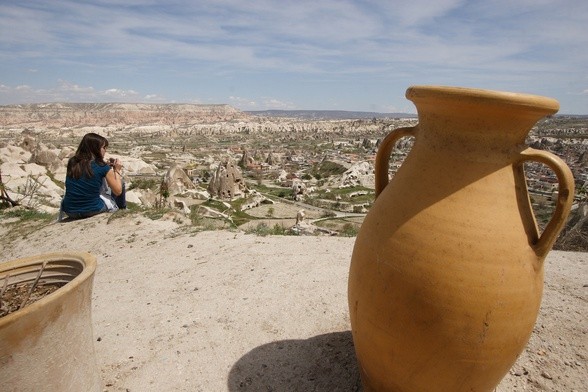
(264, 103)
(66, 91)
(272, 103)
(415, 12)
(154, 98)
(23, 88)
(243, 103)
(119, 93)
(68, 87)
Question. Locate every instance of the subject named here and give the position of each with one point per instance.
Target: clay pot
(48, 345)
(446, 275)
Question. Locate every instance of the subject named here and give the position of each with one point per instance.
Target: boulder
(282, 177)
(148, 198)
(197, 194)
(360, 174)
(181, 205)
(255, 201)
(30, 186)
(11, 170)
(46, 158)
(135, 165)
(14, 154)
(177, 181)
(300, 216)
(133, 196)
(29, 144)
(211, 213)
(298, 189)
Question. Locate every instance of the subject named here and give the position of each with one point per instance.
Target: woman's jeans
(120, 200)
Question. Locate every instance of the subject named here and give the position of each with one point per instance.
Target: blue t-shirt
(82, 195)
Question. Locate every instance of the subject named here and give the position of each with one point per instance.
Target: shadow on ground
(324, 363)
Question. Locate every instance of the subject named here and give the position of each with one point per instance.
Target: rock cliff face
(107, 114)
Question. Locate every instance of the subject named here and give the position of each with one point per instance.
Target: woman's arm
(114, 178)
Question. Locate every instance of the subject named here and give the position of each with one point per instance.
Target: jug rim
(437, 93)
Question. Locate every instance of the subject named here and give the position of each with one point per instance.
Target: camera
(111, 161)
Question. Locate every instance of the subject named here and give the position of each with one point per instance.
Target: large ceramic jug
(446, 275)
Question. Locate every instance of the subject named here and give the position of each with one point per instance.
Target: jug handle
(565, 196)
(383, 156)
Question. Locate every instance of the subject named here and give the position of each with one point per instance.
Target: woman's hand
(117, 166)
(114, 178)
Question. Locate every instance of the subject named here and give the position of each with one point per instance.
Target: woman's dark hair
(88, 151)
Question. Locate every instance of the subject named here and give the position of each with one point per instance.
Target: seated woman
(89, 179)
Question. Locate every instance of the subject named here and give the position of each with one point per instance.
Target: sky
(290, 54)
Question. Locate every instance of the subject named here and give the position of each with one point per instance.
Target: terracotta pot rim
(436, 93)
(88, 267)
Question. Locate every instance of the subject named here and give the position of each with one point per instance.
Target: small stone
(546, 375)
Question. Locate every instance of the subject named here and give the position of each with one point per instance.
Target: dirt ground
(177, 310)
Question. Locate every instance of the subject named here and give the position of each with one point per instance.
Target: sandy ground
(175, 310)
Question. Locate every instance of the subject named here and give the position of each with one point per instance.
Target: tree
(5, 199)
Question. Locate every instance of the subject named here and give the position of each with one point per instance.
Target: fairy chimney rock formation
(177, 181)
(270, 159)
(246, 159)
(227, 181)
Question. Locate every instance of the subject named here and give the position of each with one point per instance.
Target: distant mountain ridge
(328, 114)
(105, 114)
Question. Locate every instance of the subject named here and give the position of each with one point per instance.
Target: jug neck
(477, 119)
(496, 130)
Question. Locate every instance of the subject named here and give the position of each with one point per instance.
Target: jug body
(446, 274)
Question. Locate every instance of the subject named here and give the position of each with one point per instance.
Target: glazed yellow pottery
(446, 275)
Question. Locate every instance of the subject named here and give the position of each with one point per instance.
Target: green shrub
(349, 230)
(327, 169)
(27, 214)
(144, 183)
(262, 229)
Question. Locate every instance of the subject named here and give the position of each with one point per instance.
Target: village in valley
(212, 166)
